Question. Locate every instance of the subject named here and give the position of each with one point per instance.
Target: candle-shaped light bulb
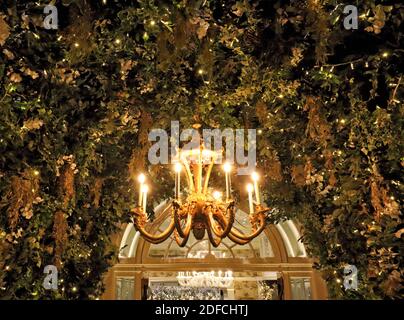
(145, 189)
(250, 189)
(255, 178)
(177, 169)
(227, 169)
(141, 178)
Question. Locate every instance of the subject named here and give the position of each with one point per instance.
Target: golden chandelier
(199, 209)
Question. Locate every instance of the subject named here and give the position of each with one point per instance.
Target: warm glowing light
(200, 71)
(36, 173)
(212, 204)
(152, 23)
(76, 45)
(217, 195)
(385, 54)
(145, 188)
(343, 121)
(141, 178)
(250, 189)
(118, 41)
(227, 167)
(177, 167)
(255, 177)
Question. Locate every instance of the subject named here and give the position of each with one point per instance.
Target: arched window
(275, 258)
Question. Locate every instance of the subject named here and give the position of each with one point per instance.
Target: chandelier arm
(215, 242)
(207, 176)
(212, 224)
(232, 215)
(181, 241)
(237, 240)
(140, 220)
(226, 226)
(189, 176)
(182, 233)
(251, 236)
(155, 239)
(232, 237)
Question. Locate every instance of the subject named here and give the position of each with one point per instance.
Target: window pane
(125, 289)
(300, 288)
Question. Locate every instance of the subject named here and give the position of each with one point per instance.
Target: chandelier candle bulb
(255, 178)
(227, 187)
(141, 180)
(177, 169)
(250, 189)
(145, 189)
(227, 169)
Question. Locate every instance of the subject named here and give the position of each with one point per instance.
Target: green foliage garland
(77, 104)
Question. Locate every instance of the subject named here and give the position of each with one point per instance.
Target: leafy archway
(78, 102)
